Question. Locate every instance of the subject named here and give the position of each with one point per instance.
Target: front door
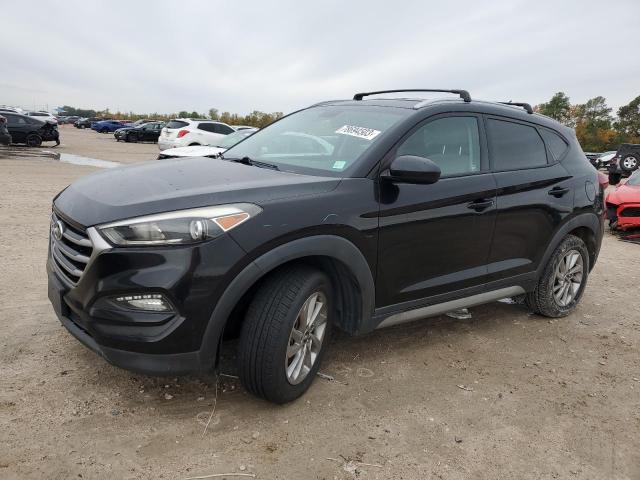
(435, 239)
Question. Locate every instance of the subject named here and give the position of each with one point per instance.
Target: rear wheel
(285, 333)
(563, 280)
(104, 130)
(33, 140)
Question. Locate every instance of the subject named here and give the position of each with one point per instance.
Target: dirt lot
(505, 395)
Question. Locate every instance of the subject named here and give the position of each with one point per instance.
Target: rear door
(534, 194)
(18, 127)
(435, 239)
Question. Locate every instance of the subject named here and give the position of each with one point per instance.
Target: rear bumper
(164, 144)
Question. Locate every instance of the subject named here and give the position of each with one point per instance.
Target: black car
(31, 130)
(624, 163)
(145, 132)
(86, 122)
(5, 136)
(354, 214)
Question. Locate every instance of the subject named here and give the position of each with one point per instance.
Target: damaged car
(623, 204)
(352, 214)
(5, 137)
(31, 131)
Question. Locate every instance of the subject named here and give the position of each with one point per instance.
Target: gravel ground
(504, 395)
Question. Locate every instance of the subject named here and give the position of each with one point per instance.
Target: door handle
(480, 205)
(558, 191)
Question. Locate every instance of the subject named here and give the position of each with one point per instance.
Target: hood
(155, 187)
(624, 194)
(193, 151)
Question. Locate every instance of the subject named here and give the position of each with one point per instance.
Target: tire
(614, 178)
(104, 130)
(33, 140)
(629, 163)
(544, 300)
(268, 336)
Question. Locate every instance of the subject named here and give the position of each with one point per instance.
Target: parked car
(422, 207)
(184, 132)
(623, 204)
(592, 156)
(604, 160)
(31, 130)
(145, 132)
(208, 151)
(106, 126)
(43, 116)
(624, 163)
(87, 121)
(5, 136)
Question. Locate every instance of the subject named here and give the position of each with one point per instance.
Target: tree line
(596, 128)
(254, 119)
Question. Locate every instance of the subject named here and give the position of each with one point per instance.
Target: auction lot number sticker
(360, 132)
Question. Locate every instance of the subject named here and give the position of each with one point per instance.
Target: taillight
(182, 133)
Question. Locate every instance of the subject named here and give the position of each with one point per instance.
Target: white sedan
(208, 150)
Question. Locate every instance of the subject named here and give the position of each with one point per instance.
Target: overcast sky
(166, 56)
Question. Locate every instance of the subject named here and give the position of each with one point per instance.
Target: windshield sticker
(360, 132)
(339, 165)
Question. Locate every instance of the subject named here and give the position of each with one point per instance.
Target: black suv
(624, 163)
(354, 214)
(31, 131)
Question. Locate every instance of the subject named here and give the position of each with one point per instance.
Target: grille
(72, 252)
(630, 212)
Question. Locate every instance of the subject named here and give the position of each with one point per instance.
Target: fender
(588, 220)
(332, 246)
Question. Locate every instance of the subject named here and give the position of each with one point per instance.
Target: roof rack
(463, 93)
(526, 106)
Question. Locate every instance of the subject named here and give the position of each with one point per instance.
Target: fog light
(154, 302)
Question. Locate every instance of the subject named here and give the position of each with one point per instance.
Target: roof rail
(463, 93)
(526, 106)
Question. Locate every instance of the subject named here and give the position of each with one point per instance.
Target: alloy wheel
(568, 278)
(630, 162)
(305, 339)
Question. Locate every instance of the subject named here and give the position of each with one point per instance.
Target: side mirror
(413, 169)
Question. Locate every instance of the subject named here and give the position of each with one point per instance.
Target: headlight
(180, 227)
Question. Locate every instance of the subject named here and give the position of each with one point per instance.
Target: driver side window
(452, 143)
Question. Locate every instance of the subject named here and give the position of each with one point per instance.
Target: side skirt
(439, 308)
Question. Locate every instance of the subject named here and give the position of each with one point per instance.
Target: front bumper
(628, 215)
(161, 343)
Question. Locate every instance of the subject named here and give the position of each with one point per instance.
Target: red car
(623, 204)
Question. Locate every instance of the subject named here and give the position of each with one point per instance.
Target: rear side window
(555, 142)
(176, 124)
(207, 127)
(515, 146)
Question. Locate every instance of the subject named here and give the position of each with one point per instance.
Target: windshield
(230, 140)
(324, 140)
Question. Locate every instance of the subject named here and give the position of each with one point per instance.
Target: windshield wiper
(253, 163)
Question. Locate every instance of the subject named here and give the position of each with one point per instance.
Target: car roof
(513, 111)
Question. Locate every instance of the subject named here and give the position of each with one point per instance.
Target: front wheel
(563, 280)
(285, 333)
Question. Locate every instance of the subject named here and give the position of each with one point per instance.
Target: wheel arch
(586, 226)
(336, 256)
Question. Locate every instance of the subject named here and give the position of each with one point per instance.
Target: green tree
(558, 108)
(213, 114)
(628, 123)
